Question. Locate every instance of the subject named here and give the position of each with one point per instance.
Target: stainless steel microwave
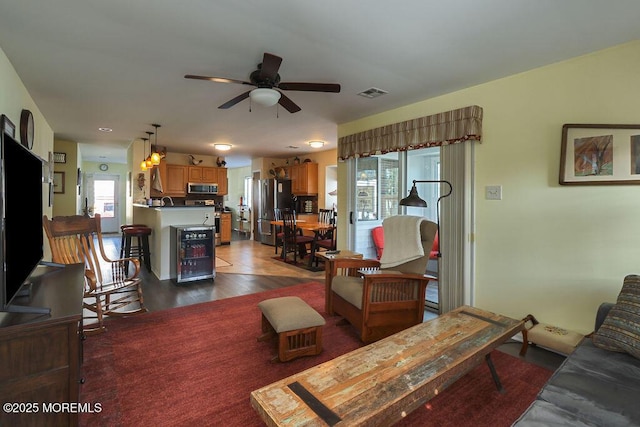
(200, 188)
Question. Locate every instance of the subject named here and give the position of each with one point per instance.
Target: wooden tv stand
(41, 355)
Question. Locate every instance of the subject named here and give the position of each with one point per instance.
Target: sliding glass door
(376, 197)
(380, 183)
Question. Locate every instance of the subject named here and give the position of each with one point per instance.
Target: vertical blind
(454, 264)
(445, 128)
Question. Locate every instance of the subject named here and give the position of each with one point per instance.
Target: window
(377, 187)
(424, 164)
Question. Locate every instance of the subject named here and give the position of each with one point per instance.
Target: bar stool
(122, 227)
(141, 250)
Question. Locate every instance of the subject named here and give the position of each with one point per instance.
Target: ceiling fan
(269, 89)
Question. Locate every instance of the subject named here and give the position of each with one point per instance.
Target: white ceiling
(120, 63)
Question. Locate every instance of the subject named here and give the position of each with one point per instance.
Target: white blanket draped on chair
(398, 251)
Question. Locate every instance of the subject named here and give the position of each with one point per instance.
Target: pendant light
(148, 159)
(155, 156)
(143, 164)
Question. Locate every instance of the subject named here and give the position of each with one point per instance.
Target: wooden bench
(297, 325)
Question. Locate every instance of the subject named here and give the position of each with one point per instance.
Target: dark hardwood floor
(165, 294)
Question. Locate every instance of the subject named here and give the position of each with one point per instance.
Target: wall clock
(104, 167)
(26, 129)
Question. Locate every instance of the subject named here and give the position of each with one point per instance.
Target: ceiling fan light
(265, 96)
(222, 147)
(316, 144)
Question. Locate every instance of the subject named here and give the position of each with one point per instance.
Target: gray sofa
(592, 387)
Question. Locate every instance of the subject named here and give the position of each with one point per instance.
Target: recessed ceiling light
(222, 147)
(105, 129)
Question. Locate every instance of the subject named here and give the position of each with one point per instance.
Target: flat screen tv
(21, 237)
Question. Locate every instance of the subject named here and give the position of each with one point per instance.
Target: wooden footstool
(298, 326)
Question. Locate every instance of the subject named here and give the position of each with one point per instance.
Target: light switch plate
(493, 192)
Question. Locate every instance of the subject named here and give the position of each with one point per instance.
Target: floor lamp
(414, 200)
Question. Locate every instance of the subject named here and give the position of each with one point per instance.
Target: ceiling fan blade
(217, 79)
(235, 100)
(288, 104)
(270, 66)
(311, 87)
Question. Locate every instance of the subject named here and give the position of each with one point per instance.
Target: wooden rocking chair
(109, 290)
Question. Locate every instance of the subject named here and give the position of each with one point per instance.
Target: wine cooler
(193, 253)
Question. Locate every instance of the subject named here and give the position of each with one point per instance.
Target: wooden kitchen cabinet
(223, 188)
(176, 182)
(304, 178)
(209, 175)
(43, 354)
(203, 174)
(225, 228)
(173, 178)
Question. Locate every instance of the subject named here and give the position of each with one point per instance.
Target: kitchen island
(160, 219)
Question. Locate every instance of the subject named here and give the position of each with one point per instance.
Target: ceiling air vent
(373, 92)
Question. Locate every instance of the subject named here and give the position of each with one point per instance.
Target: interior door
(103, 198)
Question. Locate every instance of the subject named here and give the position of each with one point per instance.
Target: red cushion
(136, 230)
(325, 243)
(434, 249)
(304, 239)
(377, 233)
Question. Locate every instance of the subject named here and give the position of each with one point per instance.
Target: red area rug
(197, 365)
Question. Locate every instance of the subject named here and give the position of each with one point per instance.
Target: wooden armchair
(109, 290)
(377, 301)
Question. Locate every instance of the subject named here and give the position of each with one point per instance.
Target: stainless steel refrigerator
(274, 194)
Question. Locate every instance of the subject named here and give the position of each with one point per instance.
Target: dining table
(314, 226)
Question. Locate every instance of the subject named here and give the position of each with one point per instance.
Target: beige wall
(67, 203)
(550, 250)
(13, 99)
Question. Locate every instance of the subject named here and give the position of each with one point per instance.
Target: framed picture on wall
(58, 182)
(7, 126)
(60, 157)
(594, 154)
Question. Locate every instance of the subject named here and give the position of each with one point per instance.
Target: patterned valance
(445, 128)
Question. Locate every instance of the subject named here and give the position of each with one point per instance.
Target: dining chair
(325, 238)
(293, 240)
(277, 229)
